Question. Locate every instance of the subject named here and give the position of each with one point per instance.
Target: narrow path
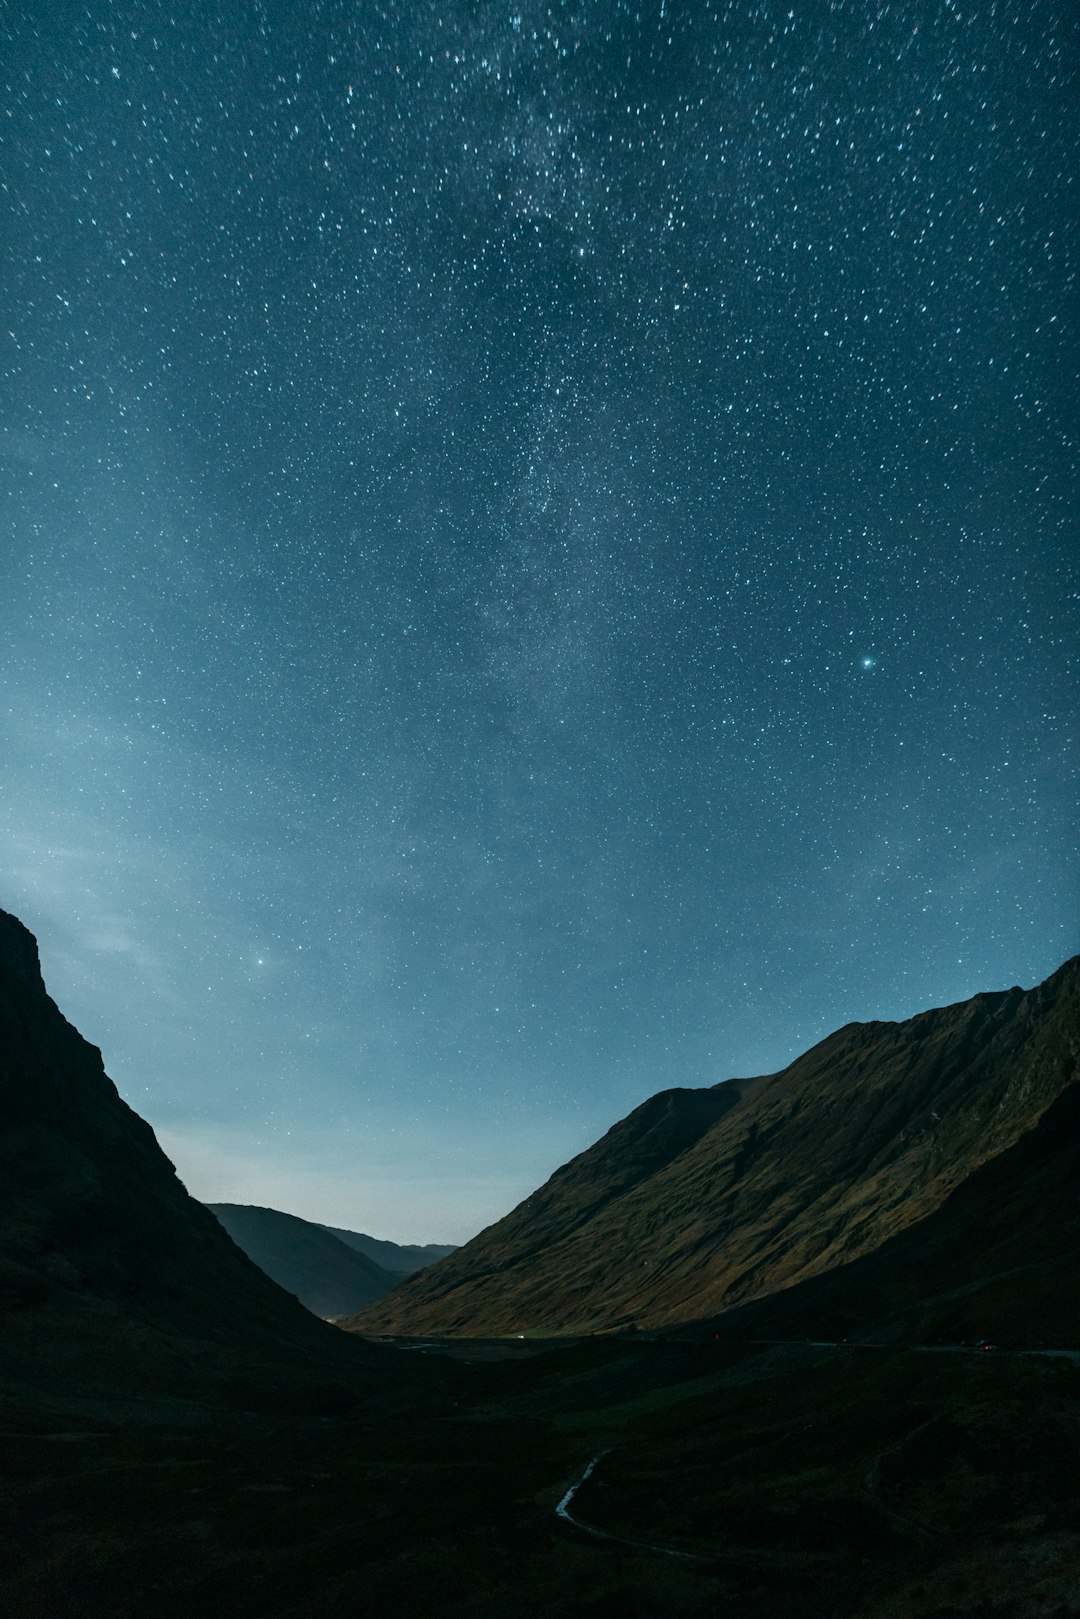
(563, 1511)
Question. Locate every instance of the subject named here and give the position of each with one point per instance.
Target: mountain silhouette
(401, 1257)
(110, 1273)
(327, 1275)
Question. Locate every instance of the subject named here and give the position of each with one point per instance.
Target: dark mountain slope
(403, 1258)
(997, 1261)
(327, 1276)
(109, 1271)
(787, 1178)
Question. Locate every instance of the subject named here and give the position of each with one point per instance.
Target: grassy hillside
(703, 1200)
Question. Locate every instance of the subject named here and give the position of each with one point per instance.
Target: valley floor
(809, 1481)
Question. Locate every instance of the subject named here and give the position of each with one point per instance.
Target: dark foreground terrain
(800, 1480)
(180, 1439)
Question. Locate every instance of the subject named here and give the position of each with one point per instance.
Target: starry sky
(538, 558)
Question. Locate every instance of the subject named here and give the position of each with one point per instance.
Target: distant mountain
(394, 1256)
(327, 1275)
(109, 1272)
(888, 1145)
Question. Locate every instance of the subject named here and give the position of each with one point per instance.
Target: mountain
(329, 1277)
(394, 1256)
(887, 1139)
(997, 1261)
(109, 1271)
(158, 1393)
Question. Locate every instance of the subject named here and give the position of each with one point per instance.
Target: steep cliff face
(107, 1267)
(765, 1183)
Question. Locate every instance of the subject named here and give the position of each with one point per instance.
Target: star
(402, 545)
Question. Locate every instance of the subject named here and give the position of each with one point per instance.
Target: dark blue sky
(538, 559)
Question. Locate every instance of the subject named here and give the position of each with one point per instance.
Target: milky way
(538, 558)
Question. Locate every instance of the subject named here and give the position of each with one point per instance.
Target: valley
(786, 1478)
(178, 1435)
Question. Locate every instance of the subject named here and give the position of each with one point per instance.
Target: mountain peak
(19, 959)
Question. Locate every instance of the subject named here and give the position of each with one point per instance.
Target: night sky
(538, 559)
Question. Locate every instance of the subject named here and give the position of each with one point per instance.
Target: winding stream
(563, 1511)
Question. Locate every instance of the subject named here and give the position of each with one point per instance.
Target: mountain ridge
(328, 1276)
(862, 1136)
(402, 1257)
